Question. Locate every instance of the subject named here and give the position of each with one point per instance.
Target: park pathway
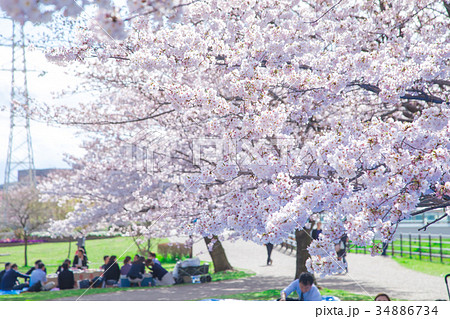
(367, 275)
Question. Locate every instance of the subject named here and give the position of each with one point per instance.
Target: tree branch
(118, 122)
(434, 221)
(421, 96)
(445, 204)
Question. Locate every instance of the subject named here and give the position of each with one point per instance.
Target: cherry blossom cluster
(360, 88)
(38, 11)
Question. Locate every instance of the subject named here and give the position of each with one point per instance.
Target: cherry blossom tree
(331, 109)
(114, 190)
(26, 214)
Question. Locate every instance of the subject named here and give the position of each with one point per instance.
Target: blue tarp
(11, 292)
(330, 298)
(324, 298)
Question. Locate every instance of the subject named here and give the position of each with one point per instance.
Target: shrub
(173, 251)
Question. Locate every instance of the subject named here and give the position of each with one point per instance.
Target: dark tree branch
(434, 221)
(420, 96)
(445, 204)
(119, 122)
(334, 6)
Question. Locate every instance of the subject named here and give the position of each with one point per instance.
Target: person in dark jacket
(136, 271)
(105, 262)
(161, 275)
(10, 278)
(60, 268)
(112, 271)
(80, 260)
(317, 231)
(7, 267)
(66, 279)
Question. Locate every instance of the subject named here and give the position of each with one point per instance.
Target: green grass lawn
(274, 294)
(53, 254)
(434, 267)
(50, 295)
(431, 268)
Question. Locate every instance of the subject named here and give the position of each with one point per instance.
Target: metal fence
(426, 247)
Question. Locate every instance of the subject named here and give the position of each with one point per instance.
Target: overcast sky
(49, 143)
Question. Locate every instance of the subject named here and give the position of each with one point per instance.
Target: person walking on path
(269, 247)
(341, 250)
(317, 231)
(81, 243)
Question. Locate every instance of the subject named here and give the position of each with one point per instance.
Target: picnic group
(110, 274)
(134, 272)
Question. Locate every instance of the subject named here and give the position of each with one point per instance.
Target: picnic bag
(36, 287)
(83, 284)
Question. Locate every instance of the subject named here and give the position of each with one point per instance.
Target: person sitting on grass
(60, 268)
(305, 288)
(9, 280)
(30, 271)
(382, 297)
(153, 257)
(161, 275)
(36, 263)
(105, 260)
(136, 271)
(66, 278)
(126, 266)
(112, 272)
(80, 260)
(7, 267)
(39, 277)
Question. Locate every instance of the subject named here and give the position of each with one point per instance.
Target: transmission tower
(20, 151)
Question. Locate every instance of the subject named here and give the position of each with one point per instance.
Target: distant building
(22, 175)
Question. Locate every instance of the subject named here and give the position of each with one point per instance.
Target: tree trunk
(25, 238)
(191, 242)
(218, 255)
(70, 243)
(303, 239)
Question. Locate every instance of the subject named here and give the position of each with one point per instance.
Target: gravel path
(367, 275)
